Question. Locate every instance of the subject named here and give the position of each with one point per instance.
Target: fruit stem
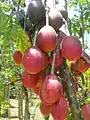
(53, 62)
(34, 41)
(47, 14)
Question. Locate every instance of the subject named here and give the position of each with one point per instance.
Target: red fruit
(41, 77)
(58, 59)
(33, 60)
(17, 57)
(71, 48)
(80, 65)
(28, 80)
(47, 39)
(86, 111)
(51, 89)
(45, 109)
(56, 19)
(60, 109)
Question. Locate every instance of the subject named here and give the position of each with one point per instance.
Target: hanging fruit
(56, 19)
(80, 65)
(28, 80)
(17, 57)
(46, 39)
(33, 60)
(71, 48)
(51, 89)
(36, 10)
(60, 109)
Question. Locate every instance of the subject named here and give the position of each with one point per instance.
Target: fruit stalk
(53, 62)
(47, 14)
(34, 41)
(70, 92)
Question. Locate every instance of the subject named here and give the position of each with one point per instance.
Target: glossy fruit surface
(45, 109)
(71, 48)
(51, 89)
(28, 80)
(60, 109)
(17, 57)
(58, 58)
(46, 39)
(86, 111)
(33, 60)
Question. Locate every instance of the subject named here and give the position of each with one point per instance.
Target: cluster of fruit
(37, 62)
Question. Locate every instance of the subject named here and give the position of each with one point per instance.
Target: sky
(70, 15)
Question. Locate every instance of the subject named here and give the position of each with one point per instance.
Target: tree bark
(70, 91)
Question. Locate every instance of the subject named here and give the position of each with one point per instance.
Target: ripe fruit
(71, 48)
(17, 57)
(56, 20)
(86, 111)
(80, 65)
(33, 60)
(28, 80)
(64, 13)
(51, 89)
(36, 11)
(58, 59)
(60, 109)
(45, 109)
(41, 77)
(46, 39)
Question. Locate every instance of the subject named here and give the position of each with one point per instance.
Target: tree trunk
(27, 113)
(70, 91)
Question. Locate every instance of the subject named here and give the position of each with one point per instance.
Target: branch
(86, 59)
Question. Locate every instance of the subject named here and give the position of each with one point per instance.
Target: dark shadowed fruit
(86, 111)
(45, 109)
(36, 11)
(17, 57)
(33, 60)
(71, 48)
(51, 89)
(60, 109)
(56, 20)
(62, 35)
(58, 59)
(28, 80)
(46, 38)
(80, 65)
(64, 13)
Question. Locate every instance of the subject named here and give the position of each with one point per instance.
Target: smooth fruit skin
(36, 11)
(58, 58)
(33, 60)
(46, 59)
(56, 19)
(80, 65)
(71, 48)
(17, 57)
(60, 109)
(45, 109)
(51, 89)
(86, 111)
(28, 80)
(46, 39)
